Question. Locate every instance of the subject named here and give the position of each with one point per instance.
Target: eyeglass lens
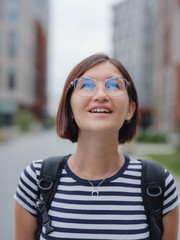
(113, 86)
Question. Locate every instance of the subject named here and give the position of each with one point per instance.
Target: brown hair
(66, 126)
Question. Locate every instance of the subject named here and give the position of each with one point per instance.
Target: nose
(100, 92)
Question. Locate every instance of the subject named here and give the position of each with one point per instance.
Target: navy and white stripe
(117, 213)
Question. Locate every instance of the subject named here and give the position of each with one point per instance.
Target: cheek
(123, 106)
(77, 105)
(77, 113)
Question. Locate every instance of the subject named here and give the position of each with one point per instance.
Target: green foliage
(146, 136)
(24, 119)
(49, 122)
(178, 148)
(169, 161)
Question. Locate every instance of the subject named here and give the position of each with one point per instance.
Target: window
(11, 78)
(12, 44)
(13, 10)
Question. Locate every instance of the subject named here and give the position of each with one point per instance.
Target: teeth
(100, 110)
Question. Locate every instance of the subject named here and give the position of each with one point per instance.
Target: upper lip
(101, 106)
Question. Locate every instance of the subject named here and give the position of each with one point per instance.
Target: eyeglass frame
(127, 84)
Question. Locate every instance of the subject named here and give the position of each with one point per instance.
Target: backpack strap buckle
(46, 222)
(45, 184)
(48, 227)
(154, 190)
(39, 204)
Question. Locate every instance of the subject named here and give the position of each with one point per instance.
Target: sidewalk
(142, 149)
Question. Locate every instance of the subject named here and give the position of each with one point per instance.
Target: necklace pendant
(95, 193)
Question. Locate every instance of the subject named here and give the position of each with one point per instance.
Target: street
(15, 156)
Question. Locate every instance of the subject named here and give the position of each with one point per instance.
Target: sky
(77, 29)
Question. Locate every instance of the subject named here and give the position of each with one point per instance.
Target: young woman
(99, 193)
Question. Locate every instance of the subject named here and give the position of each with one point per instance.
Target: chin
(103, 128)
(95, 126)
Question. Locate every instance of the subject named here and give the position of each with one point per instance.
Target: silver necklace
(95, 191)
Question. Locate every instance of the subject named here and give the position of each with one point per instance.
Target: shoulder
(26, 192)
(171, 199)
(133, 169)
(134, 163)
(32, 171)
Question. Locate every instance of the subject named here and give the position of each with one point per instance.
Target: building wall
(175, 58)
(21, 64)
(40, 74)
(133, 45)
(146, 40)
(167, 62)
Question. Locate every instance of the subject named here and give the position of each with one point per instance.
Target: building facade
(167, 63)
(146, 39)
(133, 44)
(23, 44)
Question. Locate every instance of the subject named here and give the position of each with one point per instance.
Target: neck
(96, 156)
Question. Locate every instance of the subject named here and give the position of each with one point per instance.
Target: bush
(147, 137)
(24, 119)
(169, 161)
(49, 122)
(178, 147)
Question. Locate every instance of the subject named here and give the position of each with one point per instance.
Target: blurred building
(23, 44)
(167, 62)
(133, 44)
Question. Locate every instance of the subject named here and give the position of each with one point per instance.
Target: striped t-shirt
(117, 213)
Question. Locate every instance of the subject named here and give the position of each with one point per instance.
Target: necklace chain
(95, 188)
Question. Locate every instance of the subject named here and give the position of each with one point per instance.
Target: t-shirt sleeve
(26, 192)
(171, 199)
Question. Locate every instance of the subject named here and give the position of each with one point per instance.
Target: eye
(112, 83)
(86, 83)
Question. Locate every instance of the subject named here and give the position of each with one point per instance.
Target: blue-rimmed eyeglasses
(114, 86)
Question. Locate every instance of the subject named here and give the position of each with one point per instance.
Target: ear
(131, 110)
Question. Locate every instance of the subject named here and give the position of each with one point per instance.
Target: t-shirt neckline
(96, 182)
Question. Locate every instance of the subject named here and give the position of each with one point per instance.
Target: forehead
(103, 70)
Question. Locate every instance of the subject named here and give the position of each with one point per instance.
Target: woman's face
(85, 110)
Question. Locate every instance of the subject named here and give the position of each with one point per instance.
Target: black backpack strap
(49, 179)
(153, 187)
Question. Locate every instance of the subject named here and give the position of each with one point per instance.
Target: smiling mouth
(100, 110)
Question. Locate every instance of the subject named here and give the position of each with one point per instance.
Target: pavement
(18, 152)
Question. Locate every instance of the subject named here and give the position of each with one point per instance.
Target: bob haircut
(66, 126)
